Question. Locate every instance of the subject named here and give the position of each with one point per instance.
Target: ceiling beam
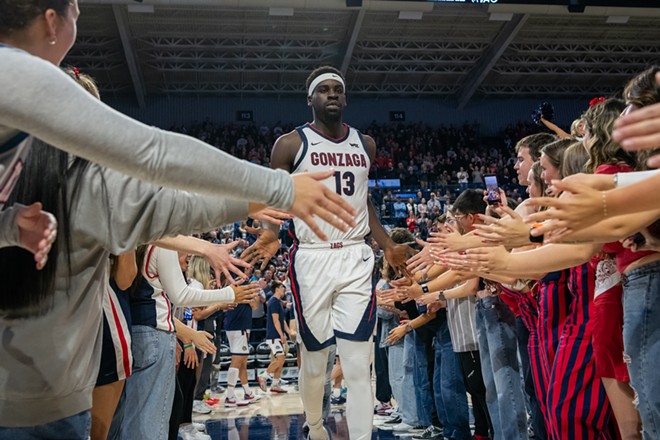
(121, 17)
(490, 57)
(350, 44)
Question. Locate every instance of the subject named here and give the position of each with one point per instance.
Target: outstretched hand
(37, 232)
(422, 260)
(509, 230)
(265, 214)
(314, 199)
(397, 257)
(263, 249)
(222, 262)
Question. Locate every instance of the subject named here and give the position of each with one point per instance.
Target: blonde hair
(199, 270)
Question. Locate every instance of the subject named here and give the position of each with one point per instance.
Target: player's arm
(396, 254)
(276, 323)
(282, 157)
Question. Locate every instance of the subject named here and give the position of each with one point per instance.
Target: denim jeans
(449, 389)
(150, 389)
(498, 348)
(76, 427)
(396, 371)
(641, 341)
(423, 392)
(408, 403)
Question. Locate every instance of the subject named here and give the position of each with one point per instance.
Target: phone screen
(492, 189)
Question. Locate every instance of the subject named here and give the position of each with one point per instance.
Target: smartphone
(492, 189)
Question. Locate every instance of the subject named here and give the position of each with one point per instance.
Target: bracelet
(187, 346)
(408, 327)
(441, 296)
(604, 195)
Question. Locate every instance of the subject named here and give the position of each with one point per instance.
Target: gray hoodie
(49, 364)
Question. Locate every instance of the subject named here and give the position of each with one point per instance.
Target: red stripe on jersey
(122, 339)
(146, 264)
(169, 312)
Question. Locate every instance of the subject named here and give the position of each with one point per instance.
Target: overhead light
(617, 19)
(501, 16)
(280, 12)
(141, 9)
(410, 15)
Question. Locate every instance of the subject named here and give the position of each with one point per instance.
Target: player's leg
(356, 365)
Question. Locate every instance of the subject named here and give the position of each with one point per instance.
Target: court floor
(278, 416)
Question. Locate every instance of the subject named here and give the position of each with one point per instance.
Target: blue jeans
(74, 427)
(396, 370)
(423, 394)
(449, 389)
(150, 389)
(641, 341)
(498, 346)
(408, 403)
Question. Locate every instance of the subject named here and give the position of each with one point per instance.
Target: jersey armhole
(364, 147)
(300, 155)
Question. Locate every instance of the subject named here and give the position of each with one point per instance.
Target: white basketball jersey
(349, 158)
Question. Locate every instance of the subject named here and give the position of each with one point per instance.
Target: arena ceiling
(385, 48)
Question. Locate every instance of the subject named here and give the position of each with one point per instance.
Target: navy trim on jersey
(311, 343)
(325, 136)
(143, 306)
(365, 329)
(13, 142)
(304, 150)
(364, 146)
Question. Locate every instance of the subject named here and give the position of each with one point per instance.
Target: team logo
(353, 145)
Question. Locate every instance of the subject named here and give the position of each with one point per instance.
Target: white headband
(319, 79)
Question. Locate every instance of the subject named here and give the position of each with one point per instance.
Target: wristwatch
(425, 288)
(441, 296)
(408, 327)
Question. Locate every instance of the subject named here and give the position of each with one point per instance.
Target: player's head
(326, 92)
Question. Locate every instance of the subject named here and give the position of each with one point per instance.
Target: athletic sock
(336, 392)
(275, 383)
(232, 378)
(246, 389)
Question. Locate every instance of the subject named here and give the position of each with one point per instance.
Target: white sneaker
(402, 427)
(200, 407)
(199, 426)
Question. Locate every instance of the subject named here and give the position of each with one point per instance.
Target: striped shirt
(461, 318)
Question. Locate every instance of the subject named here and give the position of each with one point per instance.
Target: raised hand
(422, 260)
(489, 259)
(221, 261)
(265, 214)
(204, 342)
(245, 293)
(37, 232)
(397, 256)
(509, 230)
(263, 249)
(314, 199)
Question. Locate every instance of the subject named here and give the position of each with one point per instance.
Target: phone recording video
(492, 189)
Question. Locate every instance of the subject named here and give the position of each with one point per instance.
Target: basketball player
(331, 280)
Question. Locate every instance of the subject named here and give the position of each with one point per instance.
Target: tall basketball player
(331, 280)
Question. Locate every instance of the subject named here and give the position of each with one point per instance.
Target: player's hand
(37, 231)
(314, 199)
(204, 342)
(222, 262)
(397, 256)
(190, 359)
(263, 213)
(245, 293)
(263, 249)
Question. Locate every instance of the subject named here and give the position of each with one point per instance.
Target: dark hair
(555, 152)
(602, 148)
(274, 285)
(537, 169)
(470, 201)
(18, 14)
(320, 71)
(535, 142)
(643, 89)
(47, 177)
